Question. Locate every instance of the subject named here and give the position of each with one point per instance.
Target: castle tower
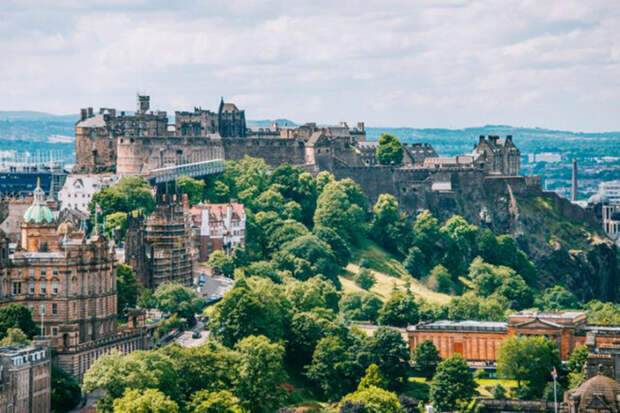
(144, 103)
(574, 190)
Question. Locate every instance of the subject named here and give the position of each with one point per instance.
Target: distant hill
(265, 123)
(29, 115)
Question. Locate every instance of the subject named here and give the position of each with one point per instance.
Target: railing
(171, 173)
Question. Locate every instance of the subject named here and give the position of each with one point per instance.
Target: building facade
(79, 189)
(479, 341)
(217, 227)
(68, 281)
(498, 156)
(25, 378)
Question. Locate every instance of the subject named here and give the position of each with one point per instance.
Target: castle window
(30, 272)
(54, 288)
(17, 288)
(43, 287)
(43, 273)
(54, 308)
(31, 288)
(54, 331)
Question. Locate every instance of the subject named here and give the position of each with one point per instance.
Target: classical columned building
(479, 341)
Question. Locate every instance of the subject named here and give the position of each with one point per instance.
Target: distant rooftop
(548, 315)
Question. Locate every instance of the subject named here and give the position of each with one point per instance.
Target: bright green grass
(387, 271)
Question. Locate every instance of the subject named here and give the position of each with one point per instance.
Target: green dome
(38, 212)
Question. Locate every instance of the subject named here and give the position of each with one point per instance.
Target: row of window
(42, 272)
(17, 288)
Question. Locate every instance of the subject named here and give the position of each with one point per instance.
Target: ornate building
(478, 341)
(217, 227)
(498, 156)
(68, 281)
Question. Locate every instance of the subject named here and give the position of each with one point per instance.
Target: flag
(554, 374)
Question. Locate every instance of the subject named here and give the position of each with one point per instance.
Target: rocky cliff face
(564, 241)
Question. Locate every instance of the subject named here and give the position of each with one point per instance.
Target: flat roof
(466, 325)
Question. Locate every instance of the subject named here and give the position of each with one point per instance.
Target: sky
(418, 63)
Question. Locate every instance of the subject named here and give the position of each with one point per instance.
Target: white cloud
(424, 63)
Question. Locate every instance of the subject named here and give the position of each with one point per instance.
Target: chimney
(90, 112)
(83, 114)
(360, 126)
(481, 139)
(574, 189)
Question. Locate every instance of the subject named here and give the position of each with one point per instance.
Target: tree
(317, 292)
(126, 288)
(221, 401)
(193, 188)
(426, 359)
(287, 231)
(439, 279)
(114, 373)
(66, 392)
(261, 373)
(460, 239)
(14, 336)
(400, 310)
(558, 298)
(179, 299)
(528, 360)
(469, 306)
(490, 279)
(338, 245)
(603, 314)
(374, 400)
(577, 359)
(390, 227)
(116, 223)
(16, 316)
(373, 377)
(387, 349)
(415, 263)
(145, 401)
(254, 306)
(221, 263)
(315, 256)
(390, 150)
(264, 269)
(427, 237)
(499, 392)
(211, 367)
(337, 209)
(307, 328)
(127, 195)
(453, 384)
(334, 368)
(360, 306)
(365, 279)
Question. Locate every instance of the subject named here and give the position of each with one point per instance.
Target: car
(196, 334)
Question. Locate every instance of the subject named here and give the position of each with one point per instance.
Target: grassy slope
(387, 270)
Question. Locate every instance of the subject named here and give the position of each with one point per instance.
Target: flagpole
(555, 392)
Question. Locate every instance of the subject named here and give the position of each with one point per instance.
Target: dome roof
(38, 212)
(598, 385)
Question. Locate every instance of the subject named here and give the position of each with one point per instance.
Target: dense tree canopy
(178, 299)
(126, 288)
(426, 359)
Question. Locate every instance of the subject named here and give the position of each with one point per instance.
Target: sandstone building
(68, 281)
(25, 378)
(479, 341)
(217, 227)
